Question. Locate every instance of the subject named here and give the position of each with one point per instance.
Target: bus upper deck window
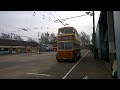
(74, 31)
(61, 31)
(68, 31)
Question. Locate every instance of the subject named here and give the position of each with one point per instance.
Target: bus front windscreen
(65, 45)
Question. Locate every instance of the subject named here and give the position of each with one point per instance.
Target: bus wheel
(74, 59)
(58, 60)
(79, 55)
(115, 75)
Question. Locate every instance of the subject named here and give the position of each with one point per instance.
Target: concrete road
(36, 66)
(32, 66)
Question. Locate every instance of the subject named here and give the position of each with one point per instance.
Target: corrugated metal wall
(117, 39)
(98, 40)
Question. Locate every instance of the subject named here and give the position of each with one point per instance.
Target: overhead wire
(62, 22)
(56, 18)
(65, 19)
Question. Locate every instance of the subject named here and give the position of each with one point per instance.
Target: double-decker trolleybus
(68, 42)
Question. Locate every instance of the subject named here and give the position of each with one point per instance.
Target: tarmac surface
(45, 66)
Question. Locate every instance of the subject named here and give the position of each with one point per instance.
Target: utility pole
(38, 37)
(94, 44)
(39, 42)
(11, 45)
(93, 35)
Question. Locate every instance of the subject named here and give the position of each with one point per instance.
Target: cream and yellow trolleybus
(68, 42)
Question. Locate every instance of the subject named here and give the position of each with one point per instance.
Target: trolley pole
(94, 44)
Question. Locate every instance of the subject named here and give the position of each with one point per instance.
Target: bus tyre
(79, 55)
(115, 75)
(58, 60)
(74, 59)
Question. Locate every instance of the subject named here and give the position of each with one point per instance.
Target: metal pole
(38, 37)
(39, 42)
(94, 34)
(11, 45)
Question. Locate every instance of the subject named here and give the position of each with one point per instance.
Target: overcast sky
(43, 21)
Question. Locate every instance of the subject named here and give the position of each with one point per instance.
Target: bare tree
(30, 40)
(45, 38)
(5, 36)
(11, 36)
(53, 39)
(85, 39)
(18, 37)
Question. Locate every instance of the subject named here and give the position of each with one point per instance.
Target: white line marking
(74, 66)
(86, 77)
(39, 74)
